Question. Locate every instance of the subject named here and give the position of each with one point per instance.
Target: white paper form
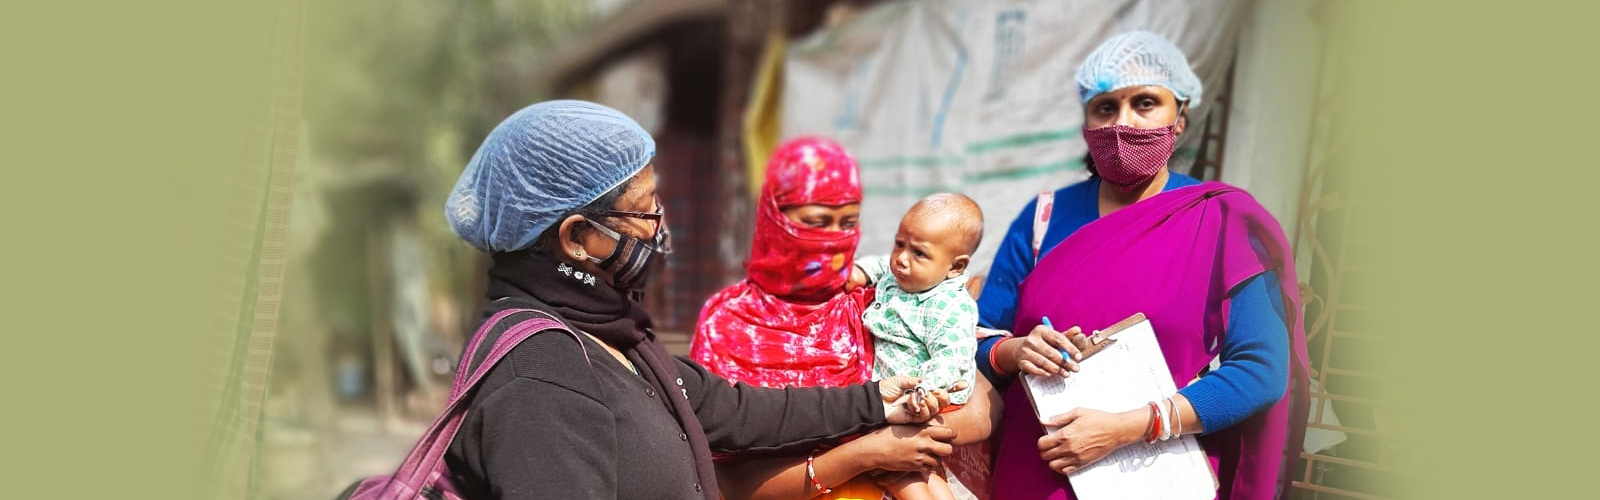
(1124, 376)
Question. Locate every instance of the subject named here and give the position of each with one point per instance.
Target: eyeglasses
(655, 216)
(649, 216)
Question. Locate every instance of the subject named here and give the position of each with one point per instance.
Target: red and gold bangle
(811, 475)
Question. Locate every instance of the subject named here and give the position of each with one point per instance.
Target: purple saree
(1175, 257)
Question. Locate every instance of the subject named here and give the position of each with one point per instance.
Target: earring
(580, 254)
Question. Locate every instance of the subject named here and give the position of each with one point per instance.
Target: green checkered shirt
(931, 334)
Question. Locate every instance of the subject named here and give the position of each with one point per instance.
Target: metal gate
(1353, 457)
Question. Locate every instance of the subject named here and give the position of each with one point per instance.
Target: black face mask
(631, 262)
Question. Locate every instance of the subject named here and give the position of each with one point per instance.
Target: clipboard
(1095, 343)
(1126, 379)
(1099, 340)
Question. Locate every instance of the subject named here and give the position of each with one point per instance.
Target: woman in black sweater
(562, 194)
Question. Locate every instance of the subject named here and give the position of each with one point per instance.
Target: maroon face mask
(1129, 157)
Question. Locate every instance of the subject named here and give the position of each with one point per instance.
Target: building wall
(1270, 113)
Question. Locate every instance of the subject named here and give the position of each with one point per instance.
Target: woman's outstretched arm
(893, 448)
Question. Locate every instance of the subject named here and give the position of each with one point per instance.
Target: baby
(922, 317)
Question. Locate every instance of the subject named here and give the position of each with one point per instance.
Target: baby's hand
(920, 403)
(857, 278)
(891, 388)
(936, 399)
(906, 402)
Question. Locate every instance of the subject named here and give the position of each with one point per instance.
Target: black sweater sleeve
(748, 419)
(538, 434)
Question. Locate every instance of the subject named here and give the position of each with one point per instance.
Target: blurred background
(935, 95)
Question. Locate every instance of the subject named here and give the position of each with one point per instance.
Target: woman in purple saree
(1204, 262)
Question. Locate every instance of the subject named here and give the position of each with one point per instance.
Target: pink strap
(1041, 220)
(421, 466)
(460, 378)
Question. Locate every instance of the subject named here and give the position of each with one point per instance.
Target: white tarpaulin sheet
(978, 97)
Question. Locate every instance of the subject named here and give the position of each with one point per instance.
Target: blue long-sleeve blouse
(1254, 367)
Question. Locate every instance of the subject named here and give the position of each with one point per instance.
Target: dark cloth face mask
(631, 262)
(1129, 157)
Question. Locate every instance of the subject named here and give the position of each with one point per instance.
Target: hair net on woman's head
(541, 163)
(1137, 58)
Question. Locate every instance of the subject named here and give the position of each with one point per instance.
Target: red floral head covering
(795, 261)
(791, 322)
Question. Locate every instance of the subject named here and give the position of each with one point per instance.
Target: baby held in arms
(922, 317)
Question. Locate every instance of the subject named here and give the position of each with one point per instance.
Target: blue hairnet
(541, 163)
(1137, 58)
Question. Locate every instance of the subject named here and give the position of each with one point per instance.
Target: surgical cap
(541, 163)
(1137, 58)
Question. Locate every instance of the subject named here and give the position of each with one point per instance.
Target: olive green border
(1469, 127)
(148, 153)
(135, 133)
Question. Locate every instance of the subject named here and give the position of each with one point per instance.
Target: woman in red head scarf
(791, 322)
(795, 320)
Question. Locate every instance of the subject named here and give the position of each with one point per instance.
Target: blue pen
(1046, 321)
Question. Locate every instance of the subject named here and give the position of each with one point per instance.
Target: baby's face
(924, 253)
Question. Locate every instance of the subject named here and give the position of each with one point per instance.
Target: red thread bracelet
(811, 474)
